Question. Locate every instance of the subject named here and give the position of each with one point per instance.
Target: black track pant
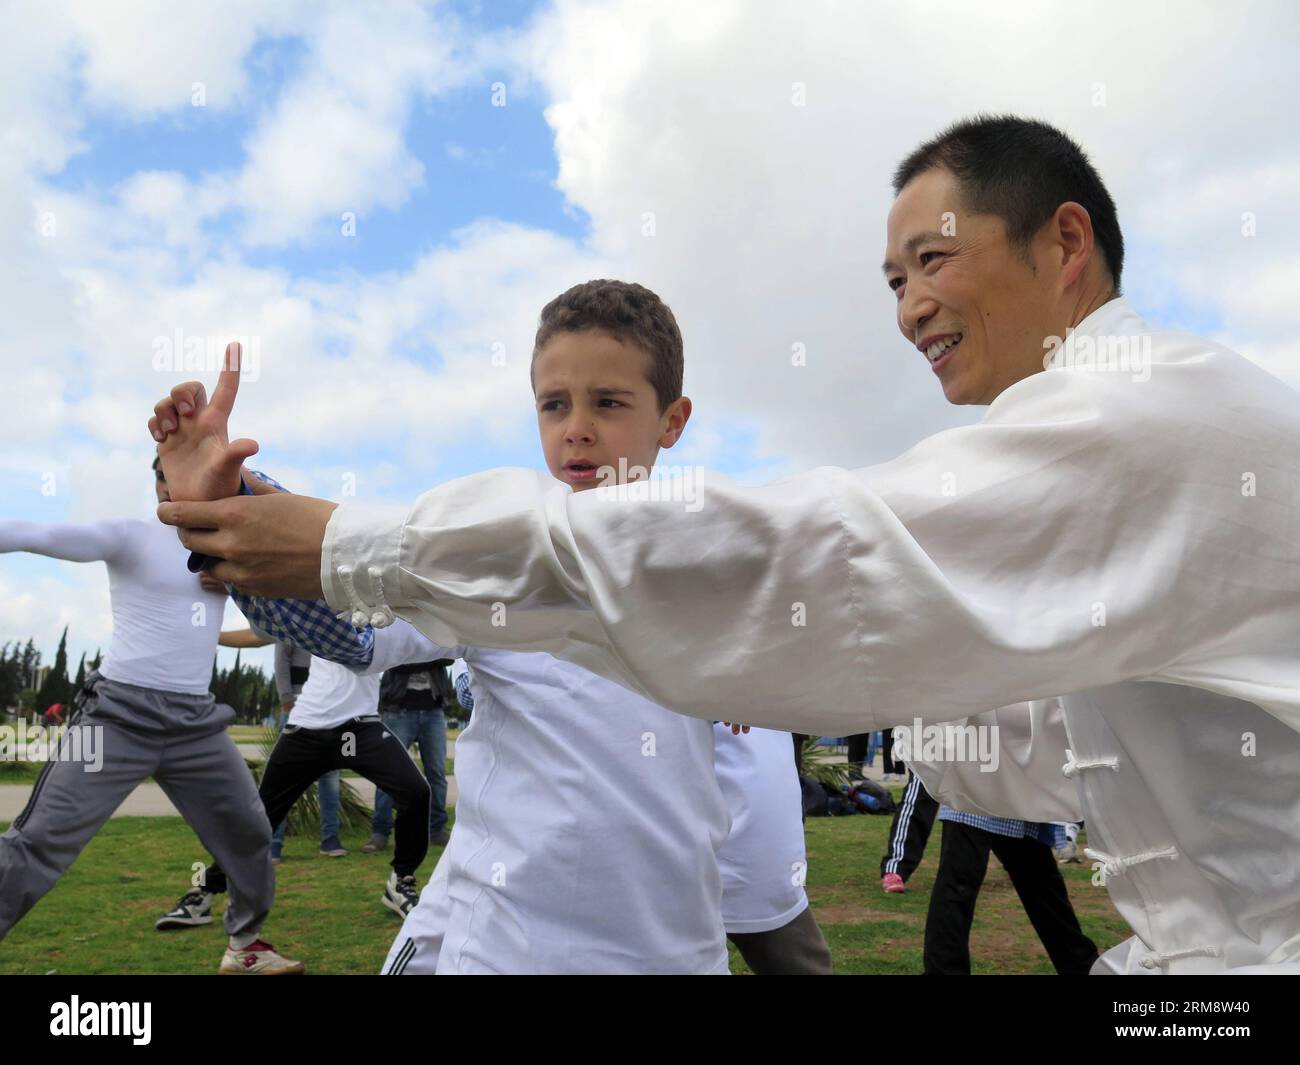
(302, 755)
(963, 861)
(908, 835)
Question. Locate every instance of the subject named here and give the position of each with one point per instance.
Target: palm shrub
(816, 763)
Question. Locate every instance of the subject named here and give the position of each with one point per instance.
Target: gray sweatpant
(180, 740)
(794, 949)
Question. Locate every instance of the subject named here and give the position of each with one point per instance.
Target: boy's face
(595, 406)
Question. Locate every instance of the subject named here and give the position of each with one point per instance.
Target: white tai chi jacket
(1124, 526)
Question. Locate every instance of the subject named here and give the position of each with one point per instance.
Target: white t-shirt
(334, 694)
(587, 826)
(763, 861)
(165, 626)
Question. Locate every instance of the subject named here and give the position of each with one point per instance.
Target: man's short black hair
(1021, 170)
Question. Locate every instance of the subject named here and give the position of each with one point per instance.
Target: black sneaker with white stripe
(401, 894)
(194, 909)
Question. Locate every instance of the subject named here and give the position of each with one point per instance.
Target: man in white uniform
(1122, 526)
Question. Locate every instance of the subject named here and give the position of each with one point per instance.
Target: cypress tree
(56, 686)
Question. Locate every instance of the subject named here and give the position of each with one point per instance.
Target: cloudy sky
(380, 198)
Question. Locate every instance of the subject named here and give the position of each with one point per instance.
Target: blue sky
(226, 219)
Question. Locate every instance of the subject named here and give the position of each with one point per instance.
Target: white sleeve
(1023, 779)
(401, 644)
(283, 670)
(94, 541)
(1083, 534)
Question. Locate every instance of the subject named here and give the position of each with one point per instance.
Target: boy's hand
(198, 461)
(210, 583)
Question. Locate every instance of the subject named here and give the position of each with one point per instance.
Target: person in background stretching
(148, 711)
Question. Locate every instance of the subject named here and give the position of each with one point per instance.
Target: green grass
(19, 772)
(99, 918)
(871, 932)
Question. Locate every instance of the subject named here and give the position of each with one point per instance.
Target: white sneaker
(258, 959)
(401, 894)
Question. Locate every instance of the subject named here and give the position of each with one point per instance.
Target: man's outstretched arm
(1037, 553)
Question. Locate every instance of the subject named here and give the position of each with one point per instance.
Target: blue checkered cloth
(463, 693)
(306, 623)
(1048, 832)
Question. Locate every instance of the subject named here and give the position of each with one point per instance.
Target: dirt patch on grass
(849, 914)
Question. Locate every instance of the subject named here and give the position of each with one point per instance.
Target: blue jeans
(428, 728)
(327, 790)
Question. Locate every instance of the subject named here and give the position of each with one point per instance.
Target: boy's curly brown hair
(628, 312)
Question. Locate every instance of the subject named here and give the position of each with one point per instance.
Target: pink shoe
(893, 883)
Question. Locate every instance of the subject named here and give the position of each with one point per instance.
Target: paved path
(148, 799)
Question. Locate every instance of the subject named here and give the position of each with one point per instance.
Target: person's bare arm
(243, 638)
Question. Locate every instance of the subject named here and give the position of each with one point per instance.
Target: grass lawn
(99, 918)
(19, 772)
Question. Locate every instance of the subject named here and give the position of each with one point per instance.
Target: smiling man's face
(966, 296)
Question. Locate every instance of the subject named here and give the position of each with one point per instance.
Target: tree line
(247, 689)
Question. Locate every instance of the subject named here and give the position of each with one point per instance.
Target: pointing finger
(228, 383)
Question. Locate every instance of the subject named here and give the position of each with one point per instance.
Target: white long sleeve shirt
(165, 626)
(587, 825)
(1133, 537)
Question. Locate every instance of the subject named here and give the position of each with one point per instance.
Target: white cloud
(769, 217)
(334, 142)
(143, 57)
